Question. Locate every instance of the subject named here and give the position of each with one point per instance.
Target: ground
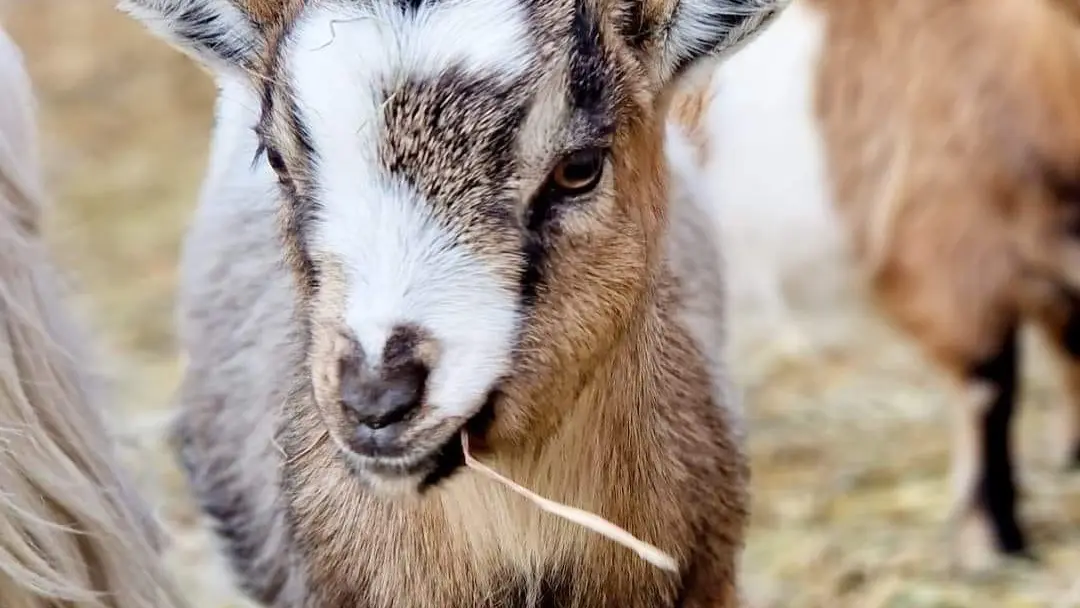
(849, 446)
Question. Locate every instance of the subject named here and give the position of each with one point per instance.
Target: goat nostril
(387, 398)
(378, 423)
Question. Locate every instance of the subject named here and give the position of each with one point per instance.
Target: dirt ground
(849, 445)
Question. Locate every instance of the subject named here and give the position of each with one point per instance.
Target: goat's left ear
(689, 30)
(222, 35)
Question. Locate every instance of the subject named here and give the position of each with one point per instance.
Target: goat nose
(379, 398)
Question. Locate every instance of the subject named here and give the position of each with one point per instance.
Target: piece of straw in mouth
(649, 553)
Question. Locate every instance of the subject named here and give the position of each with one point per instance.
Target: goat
(72, 529)
(934, 148)
(470, 229)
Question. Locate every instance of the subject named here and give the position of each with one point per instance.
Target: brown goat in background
(938, 144)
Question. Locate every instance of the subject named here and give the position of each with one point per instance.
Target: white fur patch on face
(379, 41)
(401, 265)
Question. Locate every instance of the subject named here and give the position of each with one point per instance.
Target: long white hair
(72, 530)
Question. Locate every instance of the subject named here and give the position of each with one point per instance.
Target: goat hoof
(979, 548)
(1025, 556)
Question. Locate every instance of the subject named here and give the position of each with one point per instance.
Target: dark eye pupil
(582, 168)
(276, 162)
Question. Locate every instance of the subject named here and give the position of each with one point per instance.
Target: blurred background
(849, 446)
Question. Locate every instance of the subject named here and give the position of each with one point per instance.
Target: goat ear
(698, 29)
(219, 34)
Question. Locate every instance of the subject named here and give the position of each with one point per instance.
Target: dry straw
(594, 522)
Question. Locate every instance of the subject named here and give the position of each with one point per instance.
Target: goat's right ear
(687, 31)
(217, 33)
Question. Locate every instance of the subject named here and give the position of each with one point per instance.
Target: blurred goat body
(934, 150)
(72, 531)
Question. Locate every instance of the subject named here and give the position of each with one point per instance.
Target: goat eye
(579, 172)
(277, 163)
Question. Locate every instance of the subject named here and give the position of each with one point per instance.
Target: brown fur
(955, 272)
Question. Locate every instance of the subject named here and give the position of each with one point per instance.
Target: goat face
(473, 192)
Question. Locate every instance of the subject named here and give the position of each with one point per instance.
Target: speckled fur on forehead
(452, 133)
(595, 69)
(454, 137)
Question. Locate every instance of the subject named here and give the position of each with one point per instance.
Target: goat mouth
(439, 464)
(450, 458)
